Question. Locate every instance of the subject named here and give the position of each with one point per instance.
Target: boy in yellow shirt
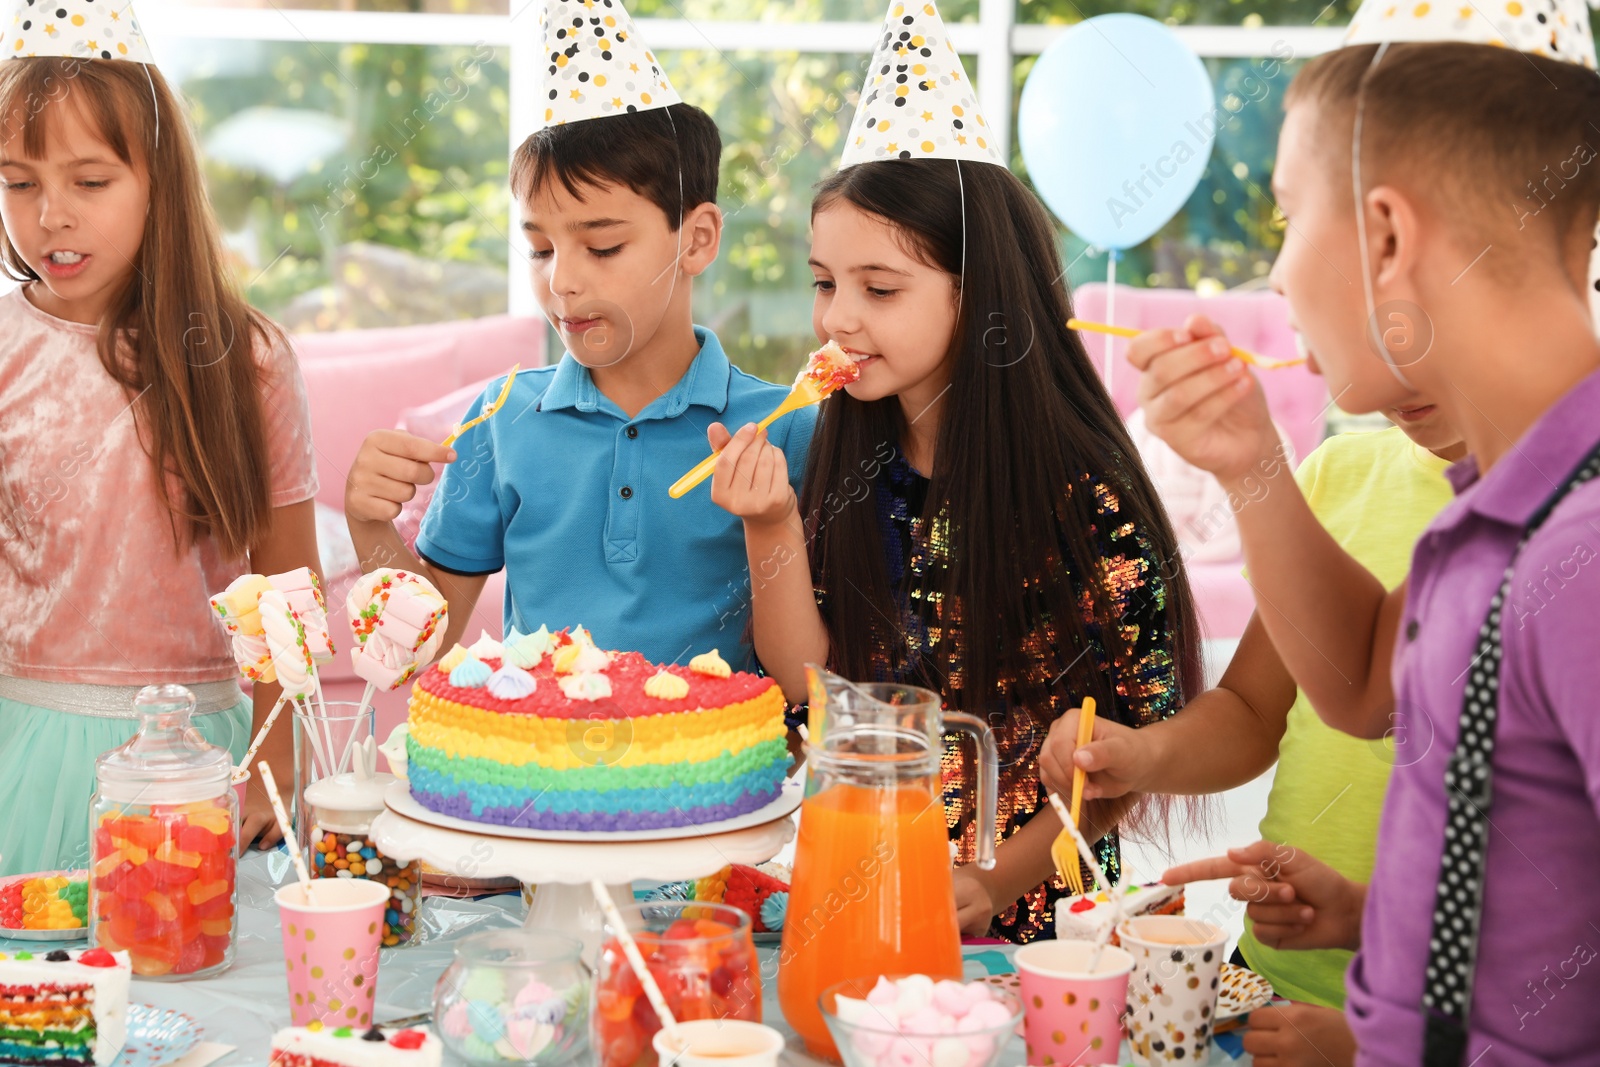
(1374, 493)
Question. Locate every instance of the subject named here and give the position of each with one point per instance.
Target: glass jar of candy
(342, 808)
(701, 955)
(163, 824)
(515, 996)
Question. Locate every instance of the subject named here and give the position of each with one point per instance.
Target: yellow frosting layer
(517, 740)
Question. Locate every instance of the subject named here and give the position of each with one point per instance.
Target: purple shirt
(1536, 995)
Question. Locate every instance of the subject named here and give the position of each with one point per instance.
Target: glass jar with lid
(163, 827)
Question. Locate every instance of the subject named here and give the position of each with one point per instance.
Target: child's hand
(752, 477)
(1293, 1035)
(1202, 400)
(386, 474)
(1115, 757)
(1295, 900)
(974, 903)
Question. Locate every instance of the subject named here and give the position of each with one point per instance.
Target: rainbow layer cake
(63, 1007)
(1081, 918)
(547, 731)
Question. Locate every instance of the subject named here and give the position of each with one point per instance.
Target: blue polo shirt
(569, 495)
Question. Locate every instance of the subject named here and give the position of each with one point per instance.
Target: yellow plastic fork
(1063, 850)
(484, 415)
(805, 393)
(1260, 362)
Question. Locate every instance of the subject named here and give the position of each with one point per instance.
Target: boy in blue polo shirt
(566, 486)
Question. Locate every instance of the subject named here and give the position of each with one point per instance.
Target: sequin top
(1145, 676)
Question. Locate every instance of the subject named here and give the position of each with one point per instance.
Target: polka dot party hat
(73, 29)
(595, 65)
(1556, 29)
(916, 102)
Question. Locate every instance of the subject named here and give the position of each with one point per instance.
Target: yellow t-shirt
(1375, 493)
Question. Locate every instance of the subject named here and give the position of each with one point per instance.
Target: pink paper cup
(331, 949)
(1072, 1016)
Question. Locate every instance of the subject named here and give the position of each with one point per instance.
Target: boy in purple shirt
(1479, 932)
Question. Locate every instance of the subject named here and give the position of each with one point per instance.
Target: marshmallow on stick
(398, 620)
(303, 591)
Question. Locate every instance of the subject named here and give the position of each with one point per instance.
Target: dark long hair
(1025, 420)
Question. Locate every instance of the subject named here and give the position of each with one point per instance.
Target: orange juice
(871, 895)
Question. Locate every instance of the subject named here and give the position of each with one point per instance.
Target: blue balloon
(1116, 125)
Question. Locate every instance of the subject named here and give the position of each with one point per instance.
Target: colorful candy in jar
(163, 885)
(343, 807)
(353, 855)
(54, 902)
(161, 846)
(706, 968)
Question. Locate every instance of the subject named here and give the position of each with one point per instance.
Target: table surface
(247, 1004)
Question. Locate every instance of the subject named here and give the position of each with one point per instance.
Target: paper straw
(1093, 864)
(261, 734)
(631, 950)
(287, 828)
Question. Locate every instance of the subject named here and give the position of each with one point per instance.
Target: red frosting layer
(628, 673)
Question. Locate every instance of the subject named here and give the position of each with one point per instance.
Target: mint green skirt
(47, 777)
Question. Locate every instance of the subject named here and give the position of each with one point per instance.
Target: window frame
(996, 39)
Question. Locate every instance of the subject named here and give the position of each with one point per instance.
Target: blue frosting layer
(478, 798)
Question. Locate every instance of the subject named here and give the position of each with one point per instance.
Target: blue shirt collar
(705, 384)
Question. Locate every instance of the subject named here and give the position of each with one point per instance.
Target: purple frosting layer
(527, 817)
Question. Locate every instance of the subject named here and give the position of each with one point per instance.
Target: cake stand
(562, 864)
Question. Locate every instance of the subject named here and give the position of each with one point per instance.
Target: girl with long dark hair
(974, 517)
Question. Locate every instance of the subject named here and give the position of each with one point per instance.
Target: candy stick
(326, 725)
(631, 949)
(361, 710)
(287, 828)
(307, 711)
(261, 734)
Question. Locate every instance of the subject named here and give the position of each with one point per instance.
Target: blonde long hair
(178, 334)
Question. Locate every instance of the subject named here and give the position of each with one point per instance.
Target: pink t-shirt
(93, 589)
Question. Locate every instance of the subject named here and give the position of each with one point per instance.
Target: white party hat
(595, 65)
(73, 29)
(916, 102)
(1556, 29)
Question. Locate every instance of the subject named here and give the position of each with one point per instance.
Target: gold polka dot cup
(1172, 993)
(1072, 1015)
(331, 949)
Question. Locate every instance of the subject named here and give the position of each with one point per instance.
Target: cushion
(434, 420)
(354, 394)
(483, 347)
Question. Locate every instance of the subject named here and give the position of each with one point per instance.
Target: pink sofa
(363, 380)
(1258, 321)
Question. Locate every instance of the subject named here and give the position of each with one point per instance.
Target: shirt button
(633, 431)
(626, 492)
(1411, 630)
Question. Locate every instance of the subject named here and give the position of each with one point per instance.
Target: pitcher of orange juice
(871, 891)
